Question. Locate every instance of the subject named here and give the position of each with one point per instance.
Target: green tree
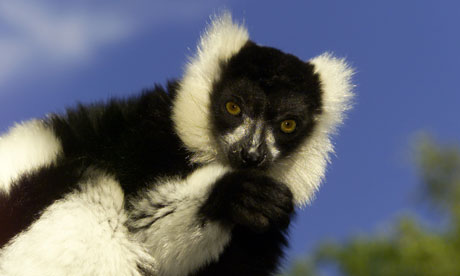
(411, 248)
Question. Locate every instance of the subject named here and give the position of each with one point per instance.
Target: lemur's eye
(288, 126)
(233, 108)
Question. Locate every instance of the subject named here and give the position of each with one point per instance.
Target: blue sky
(55, 53)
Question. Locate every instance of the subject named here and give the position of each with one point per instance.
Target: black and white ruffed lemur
(200, 178)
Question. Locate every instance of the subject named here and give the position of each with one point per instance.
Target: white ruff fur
(221, 40)
(82, 234)
(304, 171)
(26, 147)
(177, 238)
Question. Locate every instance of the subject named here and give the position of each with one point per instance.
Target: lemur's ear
(222, 39)
(304, 170)
(335, 76)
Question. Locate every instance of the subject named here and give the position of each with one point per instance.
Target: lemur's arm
(214, 222)
(165, 218)
(260, 210)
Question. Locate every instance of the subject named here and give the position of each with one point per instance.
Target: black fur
(249, 254)
(269, 84)
(132, 139)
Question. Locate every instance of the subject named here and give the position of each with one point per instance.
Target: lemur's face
(263, 107)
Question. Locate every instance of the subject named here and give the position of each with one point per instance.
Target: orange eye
(233, 108)
(288, 126)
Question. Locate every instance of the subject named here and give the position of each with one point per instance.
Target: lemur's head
(263, 106)
(254, 107)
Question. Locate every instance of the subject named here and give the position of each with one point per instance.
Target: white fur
(271, 144)
(178, 239)
(239, 133)
(304, 171)
(257, 136)
(82, 234)
(26, 147)
(222, 39)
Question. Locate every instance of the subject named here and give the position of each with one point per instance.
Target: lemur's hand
(250, 199)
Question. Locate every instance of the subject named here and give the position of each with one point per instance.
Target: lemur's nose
(253, 157)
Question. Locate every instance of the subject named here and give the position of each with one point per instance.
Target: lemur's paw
(252, 200)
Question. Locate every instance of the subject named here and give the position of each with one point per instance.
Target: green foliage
(439, 168)
(411, 249)
(302, 268)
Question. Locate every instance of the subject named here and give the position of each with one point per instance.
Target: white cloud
(38, 34)
(47, 34)
(12, 54)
